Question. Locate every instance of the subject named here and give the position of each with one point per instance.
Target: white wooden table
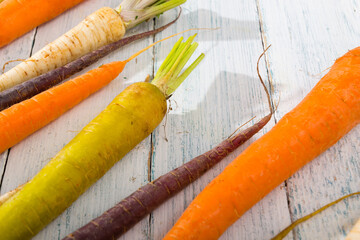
(224, 92)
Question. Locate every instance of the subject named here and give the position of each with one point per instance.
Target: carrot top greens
(168, 77)
(134, 12)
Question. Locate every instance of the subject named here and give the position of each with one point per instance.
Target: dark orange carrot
(326, 114)
(19, 17)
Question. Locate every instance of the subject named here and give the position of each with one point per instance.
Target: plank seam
(3, 173)
(8, 152)
(150, 160)
(270, 80)
(33, 42)
(267, 64)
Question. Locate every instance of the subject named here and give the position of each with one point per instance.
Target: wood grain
(18, 49)
(3, 158)
(306, 38)
(221, 94)
(29, 156)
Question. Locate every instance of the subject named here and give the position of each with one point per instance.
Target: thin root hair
(262, 81)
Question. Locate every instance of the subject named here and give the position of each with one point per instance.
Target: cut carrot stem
(19, 17)
(23, 119)
(134, 12)
(124, 123)
(326, 114)
(286, 231)
(100, 28)
(168, 77)
(43, 82)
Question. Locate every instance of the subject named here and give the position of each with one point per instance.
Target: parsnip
(102, 27)
(98, 29)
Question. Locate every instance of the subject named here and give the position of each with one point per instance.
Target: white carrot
(102, 27)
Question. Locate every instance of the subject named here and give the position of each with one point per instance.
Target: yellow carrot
(129, 118)
(24, 118)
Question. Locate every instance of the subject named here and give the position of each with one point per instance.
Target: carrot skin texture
(43, 82)
(8, 195)
(326, 114)
(19, 17)
(128, 119)
(23, 119)
(117, 220)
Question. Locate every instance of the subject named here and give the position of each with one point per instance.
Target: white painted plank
(306, 38)
(222, 93)
(3, 157)
(18, 49)
(28, 157)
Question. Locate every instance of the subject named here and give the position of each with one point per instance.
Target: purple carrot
(43, 82)
(117, 220)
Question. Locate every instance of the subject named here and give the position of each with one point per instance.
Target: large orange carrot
(23, 119)
(326, 114)
(19, 17)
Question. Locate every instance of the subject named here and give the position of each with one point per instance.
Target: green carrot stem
(172, 86)
(167, 59)
(134, 12)
(168, 77)
(184, 60)
(178, 62)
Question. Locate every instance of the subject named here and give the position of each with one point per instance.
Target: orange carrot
(23, 119)
(19, 17)
(326, 114)
(123, 124)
